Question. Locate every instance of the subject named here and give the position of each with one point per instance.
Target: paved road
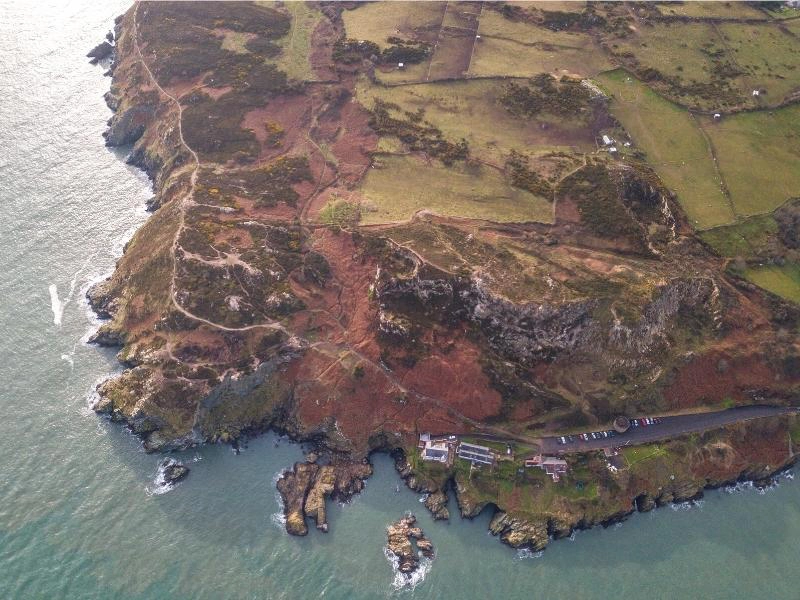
(668, 428)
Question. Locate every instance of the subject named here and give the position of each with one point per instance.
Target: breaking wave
(278, 518)
(527, 553)
(407, 581)
(160, 485)
(688, 505)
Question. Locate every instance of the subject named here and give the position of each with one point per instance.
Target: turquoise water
(78, 518)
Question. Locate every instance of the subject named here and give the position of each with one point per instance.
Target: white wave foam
(688, 505)
(160, 485)
(407, 580)
(278, 518)
(527, 553)
(69, 359)
(55, 305)
(92, 398)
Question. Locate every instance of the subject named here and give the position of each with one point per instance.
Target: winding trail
(188, 198)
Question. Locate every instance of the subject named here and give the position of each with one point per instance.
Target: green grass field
(758, 157)
(480, 193)
(297, 43)
(751, 237)
(782, 281)
(674, 145)
(471, 110)
(770, 57)
(522, 50)
(718, 10)
(747, 56)
(379, 21)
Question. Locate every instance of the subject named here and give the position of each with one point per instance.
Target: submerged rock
(406, 541)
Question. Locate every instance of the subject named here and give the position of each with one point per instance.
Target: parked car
(643, 422)
(612, 433)
(634, 423)
(604, 433)
(570, 439)
(584, 437)
(657, 420)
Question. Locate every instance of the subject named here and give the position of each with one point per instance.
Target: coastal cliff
(246, 302)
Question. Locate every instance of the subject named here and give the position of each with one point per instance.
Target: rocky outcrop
(436, 502)
(519, 533)
(406, 542)
(306, 487)
(436, 498)
(108, 336)
(171, 471)
(100, 52)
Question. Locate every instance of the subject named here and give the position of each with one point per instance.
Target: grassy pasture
(296, 45)
(522, 50)
(783, 281)
(377, 21)
(479, 193)
(750, 237)
(674, 145)
(674, 49)
(452, 54)
(716, 10)
(770, 57)
(470, 109)
(758, 157)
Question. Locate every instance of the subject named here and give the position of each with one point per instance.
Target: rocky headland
(242, 305)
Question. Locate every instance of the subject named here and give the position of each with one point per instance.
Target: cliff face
(243, 305)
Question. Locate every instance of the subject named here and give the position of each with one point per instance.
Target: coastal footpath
(252, 299)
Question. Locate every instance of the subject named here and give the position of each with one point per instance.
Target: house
(475, 454)
(438, 452)
(607, 141)
(756, 92)
(555, 467)
(401, 65)
(437, 449)
(717, 116)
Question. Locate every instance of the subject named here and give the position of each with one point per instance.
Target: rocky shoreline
(172, 399)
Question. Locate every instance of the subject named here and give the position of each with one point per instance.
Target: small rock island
(406, 541)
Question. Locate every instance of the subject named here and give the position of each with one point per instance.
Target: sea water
(81, 515)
